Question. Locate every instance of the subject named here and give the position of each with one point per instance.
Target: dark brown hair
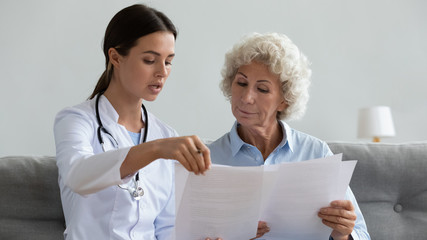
(123, 31)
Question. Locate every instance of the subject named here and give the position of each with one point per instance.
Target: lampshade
(375, 122)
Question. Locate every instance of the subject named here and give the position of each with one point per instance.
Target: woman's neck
(128, 109)
(265, 139)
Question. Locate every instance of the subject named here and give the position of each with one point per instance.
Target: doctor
(115, 176)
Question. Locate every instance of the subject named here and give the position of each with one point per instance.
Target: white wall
(363, 53)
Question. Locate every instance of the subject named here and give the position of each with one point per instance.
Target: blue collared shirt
(295, 146)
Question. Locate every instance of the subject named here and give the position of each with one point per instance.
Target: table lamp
(375, 122)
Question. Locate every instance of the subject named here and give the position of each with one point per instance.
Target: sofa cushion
(30, 204)
(390, 185)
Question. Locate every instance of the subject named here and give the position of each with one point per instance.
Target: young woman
(114, 174)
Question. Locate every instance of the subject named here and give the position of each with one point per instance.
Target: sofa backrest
(389, 182)
(30, 203)
(390, 185)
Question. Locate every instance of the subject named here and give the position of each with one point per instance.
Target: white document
(224, 203)
(300, 190)
(229, 201)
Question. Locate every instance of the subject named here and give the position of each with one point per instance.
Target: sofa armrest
(30, 204)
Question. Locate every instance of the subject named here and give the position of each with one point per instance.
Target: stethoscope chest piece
(138, 193)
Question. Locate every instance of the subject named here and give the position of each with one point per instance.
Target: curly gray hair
(283, 58)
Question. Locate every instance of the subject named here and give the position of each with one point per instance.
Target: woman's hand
(189, 151)
(339, 216)
(262, 229)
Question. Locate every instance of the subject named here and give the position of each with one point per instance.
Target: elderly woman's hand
(262, 229)
(339, 216)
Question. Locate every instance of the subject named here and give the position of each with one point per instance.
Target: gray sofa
(30, 204)
(390, 183)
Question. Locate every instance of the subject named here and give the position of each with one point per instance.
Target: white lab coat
(94, 206)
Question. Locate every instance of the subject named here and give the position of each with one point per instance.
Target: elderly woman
(266, 79)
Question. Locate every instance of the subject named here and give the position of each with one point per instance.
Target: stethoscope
(136, 192)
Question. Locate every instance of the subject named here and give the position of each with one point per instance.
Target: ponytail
(103, 81)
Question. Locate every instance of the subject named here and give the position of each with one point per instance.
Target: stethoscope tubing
(101, 128)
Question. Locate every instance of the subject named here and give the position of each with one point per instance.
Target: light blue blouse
(295, 146)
